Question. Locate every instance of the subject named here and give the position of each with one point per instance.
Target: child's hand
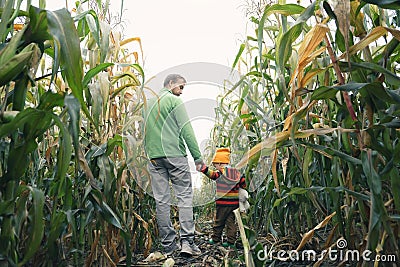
(219, 167)
(201, 167)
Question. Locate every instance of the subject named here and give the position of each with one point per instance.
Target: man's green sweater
(167, 128)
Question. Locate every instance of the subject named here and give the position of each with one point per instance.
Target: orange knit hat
(222, 155)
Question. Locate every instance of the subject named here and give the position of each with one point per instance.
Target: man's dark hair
(174, 78)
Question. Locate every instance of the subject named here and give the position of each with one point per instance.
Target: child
(228, 181)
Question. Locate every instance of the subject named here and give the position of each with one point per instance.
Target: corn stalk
(334, 95)
(68, 84)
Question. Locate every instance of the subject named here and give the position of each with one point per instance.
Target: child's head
(221, 157)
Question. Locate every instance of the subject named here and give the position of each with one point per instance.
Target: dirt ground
(212, 255)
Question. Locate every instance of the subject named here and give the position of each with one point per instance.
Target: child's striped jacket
(228, 183)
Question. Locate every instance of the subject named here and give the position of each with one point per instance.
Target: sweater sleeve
(242, 182)
(213, 175)
(186, 129)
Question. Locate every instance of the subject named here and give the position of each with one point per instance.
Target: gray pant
(174, 170)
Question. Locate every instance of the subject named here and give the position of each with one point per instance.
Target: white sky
(174, 32)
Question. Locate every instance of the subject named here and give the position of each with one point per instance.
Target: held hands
(200, 166)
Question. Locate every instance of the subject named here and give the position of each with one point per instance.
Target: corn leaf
(90, 74)
(73, 108)
(389, 4)
(391, 77)
(307, 236)
(36, 225)
(238, 55)
(5, 19)
(67, 48)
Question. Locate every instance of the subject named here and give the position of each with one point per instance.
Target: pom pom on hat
(222, 155)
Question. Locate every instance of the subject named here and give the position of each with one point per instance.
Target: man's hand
(200, 166)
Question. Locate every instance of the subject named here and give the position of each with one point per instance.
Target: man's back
(167, 128)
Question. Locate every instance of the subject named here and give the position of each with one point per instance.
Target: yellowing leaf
(309, 75)
(374, 35)
(129, 40)
(307, 51)
(311, 57)
(312, 39)
(357, 19)
(269, 143)
(288, 122)
(319, 131)
(273, 169)
(133, 39)
(301, 112)
(307, 236)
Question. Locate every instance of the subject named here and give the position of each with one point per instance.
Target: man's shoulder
(163, 98)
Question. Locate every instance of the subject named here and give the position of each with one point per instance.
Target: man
(167, 130)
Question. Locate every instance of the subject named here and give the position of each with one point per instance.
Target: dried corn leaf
(307, 236)
(148, 233)
(307, 51)
(311, 41)
(300, 113)
(129, 40)
(374, 35)
(310, 58)
(394, 32)
(133, 39)
(269, 143)
(288, 122)
(155, 256)
(274, 157)
(320, 131)
(284, 166)
(330, 237)
(308, 77)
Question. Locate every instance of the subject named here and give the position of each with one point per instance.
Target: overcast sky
(175, 32)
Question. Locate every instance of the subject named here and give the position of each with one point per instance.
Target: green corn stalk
(329, 166)
(68, 190)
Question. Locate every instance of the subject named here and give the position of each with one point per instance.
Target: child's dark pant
(224, 216)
